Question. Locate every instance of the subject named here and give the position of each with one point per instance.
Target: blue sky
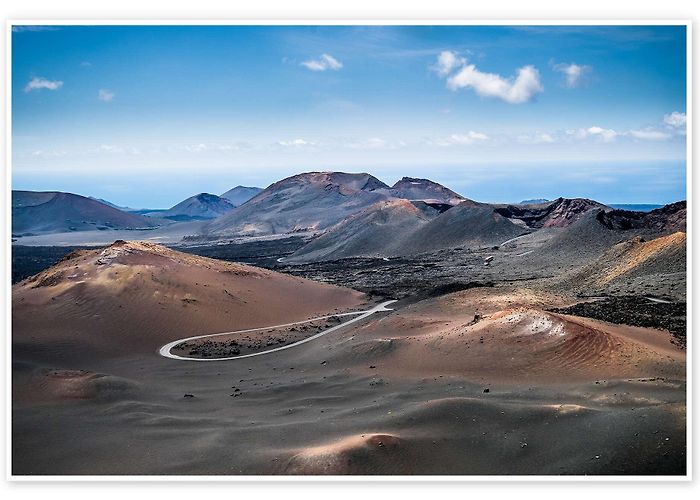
(146, 116)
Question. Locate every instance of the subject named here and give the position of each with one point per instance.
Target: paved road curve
(165, 350)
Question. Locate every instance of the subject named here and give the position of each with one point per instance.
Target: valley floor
(473, 373)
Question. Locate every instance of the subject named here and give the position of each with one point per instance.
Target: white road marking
(165, 350)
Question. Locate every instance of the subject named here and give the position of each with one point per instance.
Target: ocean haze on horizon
(617, 182)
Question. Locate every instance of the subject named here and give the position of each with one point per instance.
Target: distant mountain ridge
(53, 212)
(315, 201)
(198, 207)
(240, 194)
(305, 202)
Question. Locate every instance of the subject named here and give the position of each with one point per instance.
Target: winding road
(165, 350)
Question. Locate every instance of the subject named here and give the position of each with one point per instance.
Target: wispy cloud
(296, 143)
(115, 149)
(38, 83)
(536, 138)
(105, 95)
(49, 153)
(520, 89)
(675, 119)
(573, 72)
(323, 63)
(374, 143)
(196, 148)
(463, 139)
(649, 135)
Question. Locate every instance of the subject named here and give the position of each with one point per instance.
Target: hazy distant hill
(55, 212)
(199, 207)
(109, 203)
(240, 194)
(535, 201)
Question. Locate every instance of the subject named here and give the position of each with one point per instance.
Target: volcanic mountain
(558, 213)
(598, 230)
(466, 225)
(199, 207)
(55, 212)
(401, 228)
(667, 219)
(305, 202)
(134, 297)
(240, 194)
(410, 188)
(383, 229)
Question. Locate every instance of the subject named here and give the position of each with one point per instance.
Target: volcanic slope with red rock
(136, 296)
(561, 212)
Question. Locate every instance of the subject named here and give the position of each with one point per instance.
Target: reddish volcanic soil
(135, 297)
(481, 381)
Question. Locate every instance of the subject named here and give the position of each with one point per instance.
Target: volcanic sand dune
(400, 393)
(134, 297)
(359, 454)
(53, 385)
(512, 338)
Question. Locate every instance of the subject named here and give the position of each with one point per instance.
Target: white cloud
(468, 138)
(325, 62)
(515, 91)
(196, 148)
(536, 138)
(296, 143)
(113, 149)
(604, 134)
(38, 83)
(574, 73)
(105, 95)
(372, 143)
(448, 61)
(675, 119)
(649, 135)
(49, 154)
